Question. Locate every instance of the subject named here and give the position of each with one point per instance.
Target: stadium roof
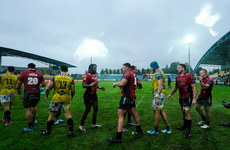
(217, 54)
(16, 53)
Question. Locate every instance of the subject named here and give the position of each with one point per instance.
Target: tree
(110, 71)
(102, 72)
(138, 72)
(118, 71)
(148, 71)
(122, 71)
(143, 71)
(106, 71)
(114, 71)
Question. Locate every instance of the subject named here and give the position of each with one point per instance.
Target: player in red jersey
(186, 84)
(32, 81)
(205, 98)
(90, 96)
(139, 86)
(128, 86)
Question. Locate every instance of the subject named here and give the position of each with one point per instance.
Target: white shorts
(161, 101)
(7, 98)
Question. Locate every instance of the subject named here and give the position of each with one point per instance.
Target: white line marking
(140, 101)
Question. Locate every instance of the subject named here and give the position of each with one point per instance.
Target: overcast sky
(113, 31)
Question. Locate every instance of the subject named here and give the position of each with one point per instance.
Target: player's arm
(86, 85)
(72, 90)
(173, 91)
(101, 87)
(48, 89)
(19, 88)
(194, 93)
(120, 84)
(147, 76)
(204, 85)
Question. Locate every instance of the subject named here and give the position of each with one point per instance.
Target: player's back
(8, 83)
(158, 75)
(31, 80)
(62, 87)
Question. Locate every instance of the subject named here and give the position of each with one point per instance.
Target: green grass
(217, 137)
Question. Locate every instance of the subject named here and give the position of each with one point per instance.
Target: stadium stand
(52, 63)
(218, 54)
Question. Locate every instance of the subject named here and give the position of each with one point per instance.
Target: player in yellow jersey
(159, 95)
(64, 90)
(8, 82)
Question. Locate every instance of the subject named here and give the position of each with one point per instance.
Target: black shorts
(88, 98)
(204, 101)
(30, 99)
(126, 103)
(186, 102)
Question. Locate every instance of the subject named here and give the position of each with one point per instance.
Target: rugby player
(64, 90)
(8, 84)
(205, 98)
(91, 85)
(159, 95)
(127, 103)
(186, 84)
(32, 81)
(139, 86)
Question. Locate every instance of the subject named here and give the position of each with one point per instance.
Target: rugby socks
(7, 116)
(167, 127)
(138, 128)
(70, 124)
(30, 125)
(156, 129)
(203, 118)
(119, 135)
(82, 123)
(185, 123)
(207, 123)
(49, 125)
(33, 119)
(189, 125)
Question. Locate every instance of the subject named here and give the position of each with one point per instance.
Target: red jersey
(184, 82)
(90, 78)
(129, 88)
(207, 93)
(31, 80)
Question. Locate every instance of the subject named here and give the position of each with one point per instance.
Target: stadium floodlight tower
(189, 40)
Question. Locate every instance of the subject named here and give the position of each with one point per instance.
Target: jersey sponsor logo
(33, 74)
(61, 92)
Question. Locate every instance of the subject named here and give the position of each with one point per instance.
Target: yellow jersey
(8, 83)
(62, 86)
(158, 75)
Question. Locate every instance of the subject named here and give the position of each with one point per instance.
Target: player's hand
(114, 85)
(169, 96)
(146, 75)
(102, 88)
(194, 101)
(157, 101)
(200, 79)
(46, 99)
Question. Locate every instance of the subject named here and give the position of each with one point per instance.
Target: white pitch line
(140, 101)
